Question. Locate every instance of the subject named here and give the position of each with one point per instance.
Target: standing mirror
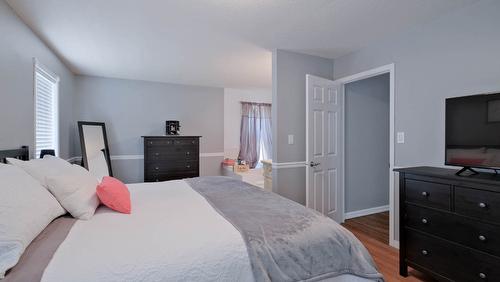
(95, 150)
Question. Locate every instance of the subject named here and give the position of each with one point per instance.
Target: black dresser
(450, 225)
(171, 157)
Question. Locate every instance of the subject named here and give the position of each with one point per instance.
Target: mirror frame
(82, 144)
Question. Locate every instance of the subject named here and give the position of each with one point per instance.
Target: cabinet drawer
(483, 205)
(187, 154)
(429, 194)
(482, 236)
(450, 260)
(151, 142)
(157, 177)
(186, 142)
(172, 166)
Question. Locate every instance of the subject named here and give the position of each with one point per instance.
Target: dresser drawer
(172, 166)
(157, 177)
(186, 142)
(482, 236)
(483, 205)
(429, 194)
(451, 260)
(152, 142)
(161, 155)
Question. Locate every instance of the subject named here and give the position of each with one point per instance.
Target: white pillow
(40, 169)
(26, 208)
(75, 189)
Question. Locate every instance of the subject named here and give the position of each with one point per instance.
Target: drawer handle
(425, 194)
(187, 153)
(481, 238)
(157, 154)
(188, 166)
(482, 275)
(424, 220)
(193, 142)
(157, 168)
(425, 252)
(482, 205)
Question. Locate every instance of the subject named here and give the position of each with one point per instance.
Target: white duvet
(173, 234)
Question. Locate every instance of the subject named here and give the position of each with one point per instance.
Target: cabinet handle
(188, 166)
(157, 168)
(187, 153)
(193, 142)
(425, 194)
(481, 238)
(157, 154)
(424, 220)
(482, 275)
(425, 252)
(482, 205)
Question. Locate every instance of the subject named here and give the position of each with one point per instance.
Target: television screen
(473, 131)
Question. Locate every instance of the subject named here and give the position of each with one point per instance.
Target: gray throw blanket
(285, 240)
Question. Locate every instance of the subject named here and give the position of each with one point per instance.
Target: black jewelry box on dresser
(171, 157)
(449, 225)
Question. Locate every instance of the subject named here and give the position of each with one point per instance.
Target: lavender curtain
(255, 134)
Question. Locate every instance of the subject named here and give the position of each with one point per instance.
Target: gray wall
(289, 117)
(133, 108)
(455, 55)
(367, 143)
(18, 46)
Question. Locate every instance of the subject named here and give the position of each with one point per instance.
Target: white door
(324, 143)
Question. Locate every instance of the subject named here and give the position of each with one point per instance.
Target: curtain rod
(254, 103)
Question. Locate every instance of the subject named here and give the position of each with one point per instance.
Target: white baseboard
(394, 244)
(369, 211)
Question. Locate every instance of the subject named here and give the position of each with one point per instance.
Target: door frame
(360, 76)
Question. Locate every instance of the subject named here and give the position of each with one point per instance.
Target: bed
(200, 229)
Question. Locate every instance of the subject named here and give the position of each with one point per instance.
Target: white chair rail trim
(140, 157)
(288, 165)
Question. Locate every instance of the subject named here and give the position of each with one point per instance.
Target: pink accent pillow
(114, 194)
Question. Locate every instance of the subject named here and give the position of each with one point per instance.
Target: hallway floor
(377, 225)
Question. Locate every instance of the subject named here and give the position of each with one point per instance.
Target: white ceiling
(225, 43)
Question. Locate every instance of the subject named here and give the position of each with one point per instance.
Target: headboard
(22, 154)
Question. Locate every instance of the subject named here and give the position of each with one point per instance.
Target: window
(46, 117)
(255, 133)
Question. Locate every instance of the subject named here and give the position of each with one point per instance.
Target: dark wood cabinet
(449, 225)
(171, 157)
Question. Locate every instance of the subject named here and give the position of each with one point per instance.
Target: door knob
(313, 164)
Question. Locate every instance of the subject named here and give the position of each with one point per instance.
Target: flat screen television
(473, 131)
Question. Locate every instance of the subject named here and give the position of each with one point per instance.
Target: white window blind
(46, 108)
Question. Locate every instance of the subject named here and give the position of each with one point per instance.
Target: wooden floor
(373, 232)
(377, 225)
